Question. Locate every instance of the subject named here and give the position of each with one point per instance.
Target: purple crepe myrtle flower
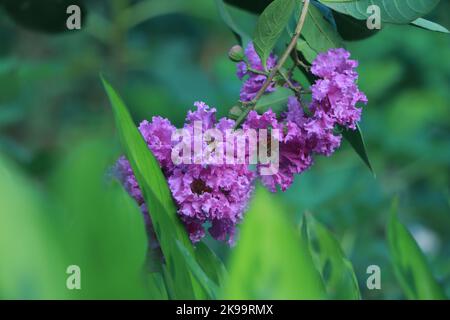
(204, 194)
(215, 194)
(335, 93)
(303, 135)
(254, 81)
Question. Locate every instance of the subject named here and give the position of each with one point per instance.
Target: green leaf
(250, 5)
(410, 264)
(392, 11)
(318, 32)
(211, 264)
(270, 260)
(306, 50)
(352, 29)
(31, 266)
(233, 23)
(159, 201)
(429, 25)
(277, 101)
(207, 284)
(100, 227)
(270, 25)
(356, 140)
(336, 270)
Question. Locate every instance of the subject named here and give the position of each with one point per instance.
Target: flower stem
(298, 29)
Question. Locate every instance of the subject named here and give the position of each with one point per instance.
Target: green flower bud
(236, 53)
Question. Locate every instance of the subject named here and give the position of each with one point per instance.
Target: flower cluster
(311, 130)
(213, 194)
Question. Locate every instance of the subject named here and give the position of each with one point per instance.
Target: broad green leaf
(277, 101)
(306, 50)
(410, 264)
(351, 29)
(270, 25)
(336, 270)
(270, 260)
(429, 25)
(356, 140)
(318, 32)
(159, 201)
(392, 11)
(207, 284)
(233, 23)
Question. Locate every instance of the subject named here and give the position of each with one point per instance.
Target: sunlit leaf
(270, 260)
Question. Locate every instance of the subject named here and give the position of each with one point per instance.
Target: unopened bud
(236, 53)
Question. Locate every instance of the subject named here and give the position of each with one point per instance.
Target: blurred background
(164, 55)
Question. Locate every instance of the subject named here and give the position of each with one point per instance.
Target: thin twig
(274, 71)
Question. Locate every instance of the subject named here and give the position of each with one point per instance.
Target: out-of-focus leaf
(270, 260)
(356, 140)
(393, 11)
(271, 24)
(277, 101)
(159, 201)
(429, 25)
(232, 23)
(101, 228)
(44, 16)
(207, 284)
(336, 270)
(31, 266)
(410, 264)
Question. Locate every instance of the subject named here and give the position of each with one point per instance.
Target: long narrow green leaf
(207, 284)
(356, 140)
(429, 25)
(336, 270)
(158, 198)
(210, 263)
(270, 260)
(410, 264)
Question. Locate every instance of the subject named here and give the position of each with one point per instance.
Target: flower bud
(236, 53)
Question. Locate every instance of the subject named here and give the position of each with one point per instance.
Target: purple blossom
(294, 154)
(336, 93)
(255, 81)
(214, 194)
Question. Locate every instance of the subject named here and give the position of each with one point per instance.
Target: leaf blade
(270, 25)
(410, 264)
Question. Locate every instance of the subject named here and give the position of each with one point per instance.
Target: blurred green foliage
(163, 56)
